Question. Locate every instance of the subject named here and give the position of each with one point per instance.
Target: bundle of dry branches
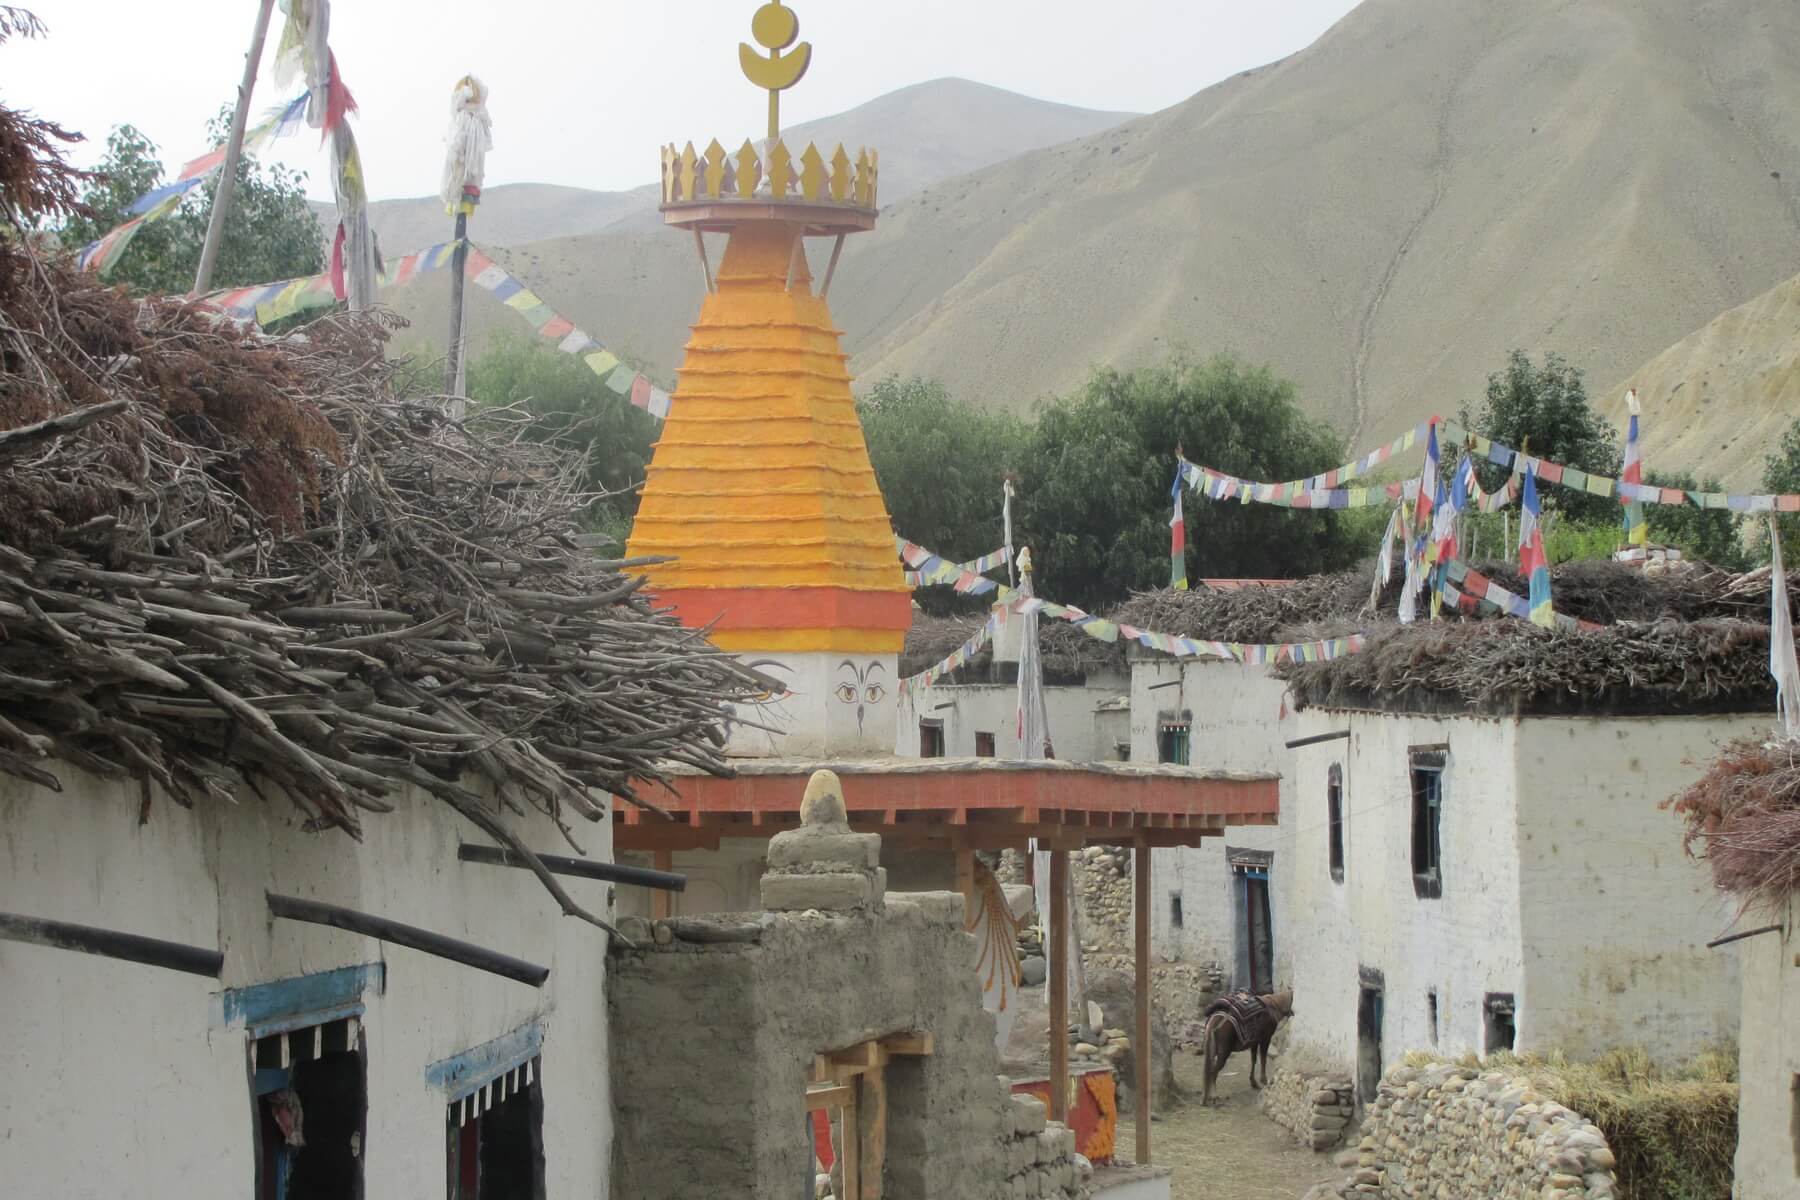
(1746, 812)
(1507, 665)
(232, 560)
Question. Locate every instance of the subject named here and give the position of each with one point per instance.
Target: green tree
(1711, 535)
(941, 465)
(576, 410)
(1095, 495)
(1781, 474)
(270, 233)
(1547, 407)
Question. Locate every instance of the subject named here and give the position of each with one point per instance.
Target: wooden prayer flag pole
(234, 149)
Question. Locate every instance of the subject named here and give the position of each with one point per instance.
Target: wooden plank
(850, 1146)
(1140, 1049)
(1059, 985)
(910, 1044)
(662, 904)
(871, 1127)
(965, 883)
(862, 1057)
(831, 1095)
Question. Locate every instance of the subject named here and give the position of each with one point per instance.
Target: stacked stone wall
(1316, 1106)
(1041, 1161)
(1456, 1133)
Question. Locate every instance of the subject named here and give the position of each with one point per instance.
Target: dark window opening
(931, 739)
(1175, 910)
(1123, 750)
(1431, 1006)
(984, 744)
(1427, 769)
(1368, 1036)
(1172, 742)
(1498, 1016)
(496, 1140)
(1794, 1122)
(311, 1111)
(1334, 815)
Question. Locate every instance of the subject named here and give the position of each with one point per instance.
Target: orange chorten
(760, 486)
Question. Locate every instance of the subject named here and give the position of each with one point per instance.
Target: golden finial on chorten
(775, 28)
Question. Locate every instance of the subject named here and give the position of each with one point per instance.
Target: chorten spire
(760, 486)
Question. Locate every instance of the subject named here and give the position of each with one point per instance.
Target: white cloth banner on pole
(1782, 663)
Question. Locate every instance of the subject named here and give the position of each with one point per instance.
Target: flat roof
(979, 803)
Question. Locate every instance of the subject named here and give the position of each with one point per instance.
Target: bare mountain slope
(1717, 402)
(1382, 215)
(925, 132)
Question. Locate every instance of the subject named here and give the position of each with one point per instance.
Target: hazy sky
(583, 91)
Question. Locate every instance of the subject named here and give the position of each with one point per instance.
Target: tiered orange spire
(761, 485)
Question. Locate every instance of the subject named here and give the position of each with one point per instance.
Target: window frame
(1174, 736)
(1334, 819)
(1426, 767)
(984, 743)
(931, 738)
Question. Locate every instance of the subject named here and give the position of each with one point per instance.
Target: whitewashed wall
(994, 708)
(1768, 1158)
(127, 1080)
(1615, 917)
(1563, 884)
(1465, 944)
(1239, 723)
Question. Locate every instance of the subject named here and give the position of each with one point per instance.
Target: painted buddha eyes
(874, 693)
(847, 693)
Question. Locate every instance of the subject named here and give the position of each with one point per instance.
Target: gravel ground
(1232, 1150)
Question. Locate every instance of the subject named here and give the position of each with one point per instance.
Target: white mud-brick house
(287, 721)
(1226, 902)
(1744, 819)
(1218, 902)
(1478, 845)
(973, 712)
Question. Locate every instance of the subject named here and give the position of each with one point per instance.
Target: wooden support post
(705, 266)
(234, 149)
(1140, 1048)
(849, 1144)
(831, 267)
(1059, 985)
(662, 904)
(965, 883)
(871, 1128)
(459, 263)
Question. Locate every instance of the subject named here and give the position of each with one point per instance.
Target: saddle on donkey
(1249, 1016)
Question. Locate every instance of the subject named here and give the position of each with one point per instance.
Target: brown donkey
(1241, 1022)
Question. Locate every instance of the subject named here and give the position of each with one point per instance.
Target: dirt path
(1231, 1150)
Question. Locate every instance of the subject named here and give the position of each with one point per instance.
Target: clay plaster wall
(965, 709)
(1768, 1154)
(1614, 917)
(716, 1041)
(1238, 721)
(131, 1080)
(1564, 886)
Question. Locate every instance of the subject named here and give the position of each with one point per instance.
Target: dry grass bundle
(228, 560)
(1674, 1132)
(1254, 613)
(1745, 811)
(931, 639)
(1510, 665)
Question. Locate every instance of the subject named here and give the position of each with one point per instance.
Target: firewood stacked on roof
(229, 561)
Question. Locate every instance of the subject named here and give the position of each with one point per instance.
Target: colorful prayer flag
(1177, 539)
(1532, 562)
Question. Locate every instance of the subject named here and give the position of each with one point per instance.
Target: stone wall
(719, 1021)
(1455, 1133)
(1040, 1155)
(1315, 1105)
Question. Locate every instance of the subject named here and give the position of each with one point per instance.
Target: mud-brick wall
(1453, 1133)
(713, 1041)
